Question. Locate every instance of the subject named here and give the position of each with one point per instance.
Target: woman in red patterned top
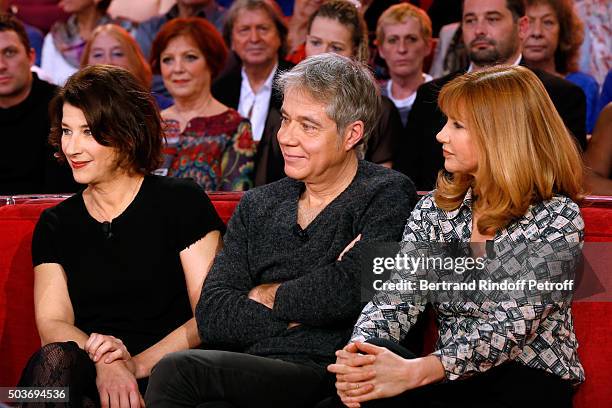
(205, 140)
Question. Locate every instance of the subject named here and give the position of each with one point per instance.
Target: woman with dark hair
(64, 44)
(113, 45)
(338, 27)
(206, 140)
(553, 45)
(119, 266)
(513, 178)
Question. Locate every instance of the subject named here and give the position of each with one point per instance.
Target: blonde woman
(113, 45)
(512, 178)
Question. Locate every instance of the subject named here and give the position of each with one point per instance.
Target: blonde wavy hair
(525, 153)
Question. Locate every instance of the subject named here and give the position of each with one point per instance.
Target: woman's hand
(109, 347)
(383, 375)
(117, 386)
(350, 358)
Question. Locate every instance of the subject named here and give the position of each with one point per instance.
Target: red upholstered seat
(19, 338)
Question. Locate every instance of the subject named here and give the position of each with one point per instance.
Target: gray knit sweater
(263, 245)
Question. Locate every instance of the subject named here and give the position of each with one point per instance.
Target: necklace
(185, 116)
(104, 216)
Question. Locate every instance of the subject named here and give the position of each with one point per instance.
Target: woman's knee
(59, 354)
(54, 363)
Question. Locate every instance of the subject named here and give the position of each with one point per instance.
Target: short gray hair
(346, 87)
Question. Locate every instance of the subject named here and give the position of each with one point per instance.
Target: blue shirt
(590, 87)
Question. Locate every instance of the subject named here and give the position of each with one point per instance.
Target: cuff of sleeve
(282, 302)
(454, 368)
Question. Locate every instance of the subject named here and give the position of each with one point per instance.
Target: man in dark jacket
(256, 32)
(492, 30)
(27, 165)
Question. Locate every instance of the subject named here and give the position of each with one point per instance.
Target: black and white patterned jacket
(475, 336)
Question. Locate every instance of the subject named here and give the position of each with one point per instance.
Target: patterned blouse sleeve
(391, 313)
(506, 327)
(237, 166)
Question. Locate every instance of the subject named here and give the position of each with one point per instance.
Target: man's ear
(523, 28)
(353, 135)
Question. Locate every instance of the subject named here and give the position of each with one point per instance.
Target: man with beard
(492, 33)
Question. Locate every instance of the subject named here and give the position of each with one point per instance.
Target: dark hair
(120, 113)
(346, 13)
(571, 34)
(203, 33)
(103, 5)
(270, 7)
(516, 7)
(8, 22)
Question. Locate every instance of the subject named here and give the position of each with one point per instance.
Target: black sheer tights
(62, 365)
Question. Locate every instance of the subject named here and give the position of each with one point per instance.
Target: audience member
(403, 37)
(595, 54)
(298, 28)
(147, 30)
(598, 156)
(119, 266)
(64, 44)
(285, 289)
(256, 32)
(205, 140)
(27, 165)
(515, 182)
(113, 45)
(339, 28)
(553, 44)
(492, 33)
(208, 9)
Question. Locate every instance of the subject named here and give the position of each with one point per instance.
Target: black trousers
(509, 385)
(210, 378)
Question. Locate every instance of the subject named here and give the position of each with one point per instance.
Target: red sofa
(19, 338)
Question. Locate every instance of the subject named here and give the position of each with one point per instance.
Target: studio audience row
(144, 297)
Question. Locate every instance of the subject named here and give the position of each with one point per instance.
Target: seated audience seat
(19, 337)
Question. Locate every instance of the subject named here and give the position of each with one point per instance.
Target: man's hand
(349, 246)
(264, 294)
(117, 386)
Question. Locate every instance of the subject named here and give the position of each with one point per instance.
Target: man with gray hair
(284, 292)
